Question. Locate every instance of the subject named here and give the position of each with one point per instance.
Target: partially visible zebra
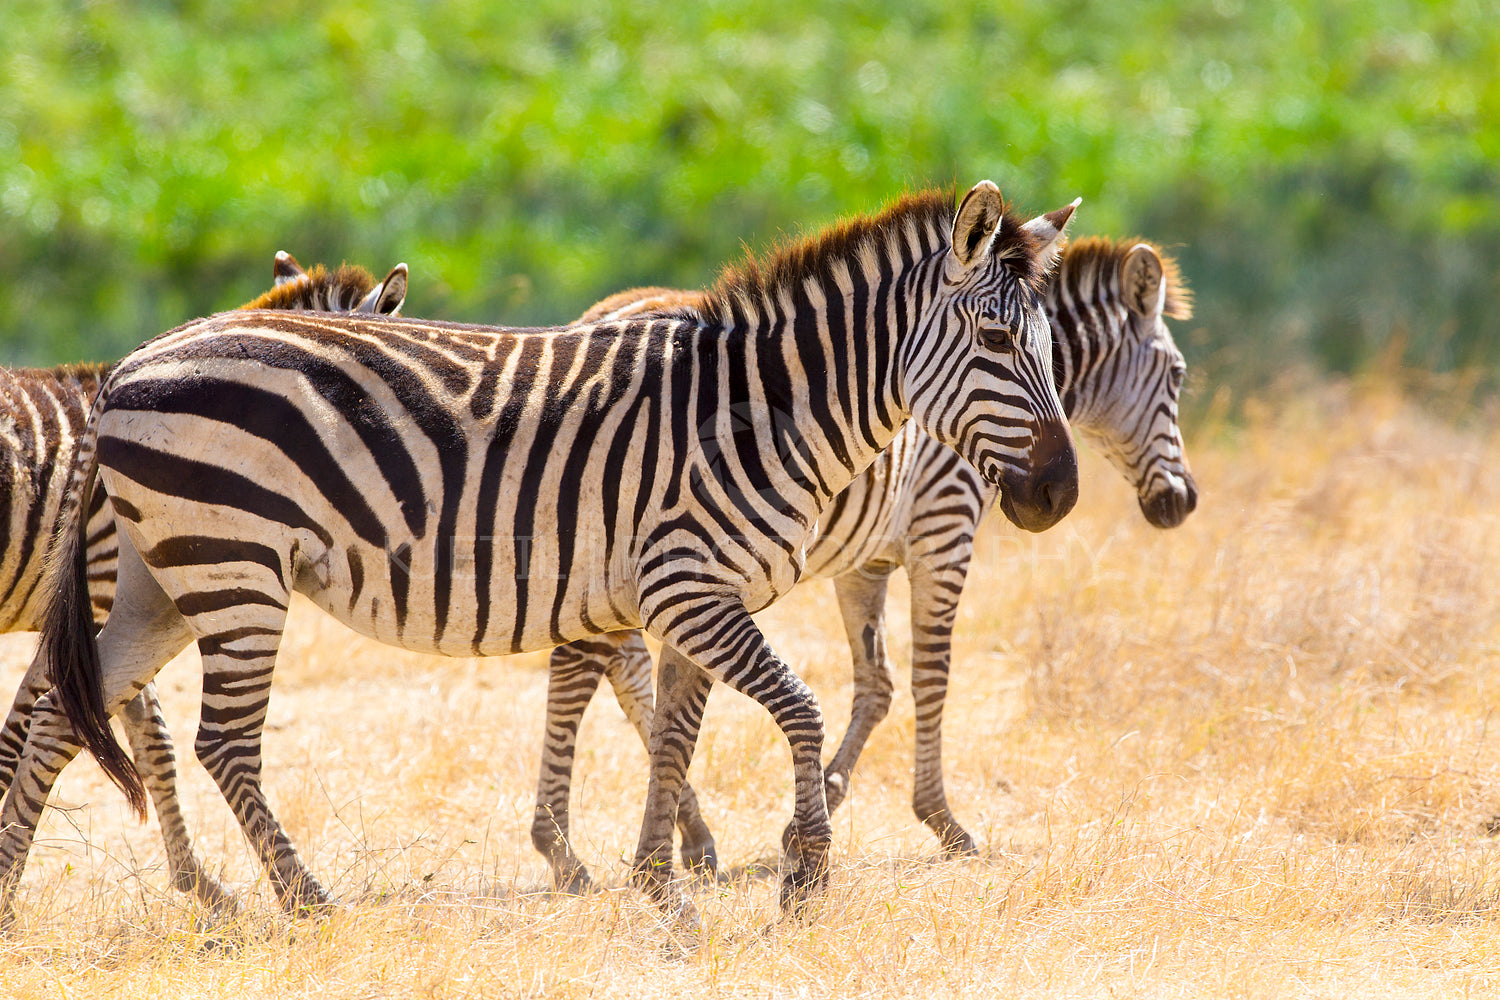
(474, 491)
(43, 413)
(919, 506)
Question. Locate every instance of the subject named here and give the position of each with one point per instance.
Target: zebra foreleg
(18, 723)
(934, 608)
(684, 692)
(572, 677)
(629, 673)
(151, 745)
(726, 642)
(861, 595)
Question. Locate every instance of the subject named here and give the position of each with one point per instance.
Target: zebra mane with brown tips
(87, 372)
(1091, 257)
(924, 218)
(320, 289)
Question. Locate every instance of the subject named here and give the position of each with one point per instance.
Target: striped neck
(1088, 321)
(828, 338)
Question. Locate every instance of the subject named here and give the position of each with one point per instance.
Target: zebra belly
(436, 598)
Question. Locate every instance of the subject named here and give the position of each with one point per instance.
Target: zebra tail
(68, 643)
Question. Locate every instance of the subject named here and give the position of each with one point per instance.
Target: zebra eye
(1177, 374)
(997, 337)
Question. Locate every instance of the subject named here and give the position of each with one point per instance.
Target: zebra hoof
(958, 844)
(701, 860)
(654, 878)
(575, 883)
(309, 899)
(211, 894)
(800, 885)
(684, 930)
(315, 911)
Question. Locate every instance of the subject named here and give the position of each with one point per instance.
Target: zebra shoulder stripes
(230, 449)
(918, 507)
(43, 412)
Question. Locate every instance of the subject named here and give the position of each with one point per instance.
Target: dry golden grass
(1247, 758)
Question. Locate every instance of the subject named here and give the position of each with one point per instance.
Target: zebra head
(347, 289)
(1121, 379)
(978, 374)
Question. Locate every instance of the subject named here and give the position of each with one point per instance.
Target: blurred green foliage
(1325, 172)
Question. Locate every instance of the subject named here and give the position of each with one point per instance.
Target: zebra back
(652, 301)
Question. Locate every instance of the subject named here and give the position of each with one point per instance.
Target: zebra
(43, 412)
(519, 489)
(919, 506)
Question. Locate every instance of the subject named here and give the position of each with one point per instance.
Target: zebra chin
(1169, 507)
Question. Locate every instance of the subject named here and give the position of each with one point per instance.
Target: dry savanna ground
(1250, 757)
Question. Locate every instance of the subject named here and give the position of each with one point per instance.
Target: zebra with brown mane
(918, 507)
(698, 454)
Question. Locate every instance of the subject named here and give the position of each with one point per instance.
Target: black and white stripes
(42, 415)
(45, 410)
(473, 490)
(919, 507)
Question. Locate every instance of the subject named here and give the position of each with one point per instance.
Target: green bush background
(1326, 173)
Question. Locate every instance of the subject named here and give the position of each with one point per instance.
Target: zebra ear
(286, 269)
(1049, 229)
(385, 298)
(974, 226)
(1141, 284)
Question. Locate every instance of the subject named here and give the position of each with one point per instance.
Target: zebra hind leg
(143, 633)
(18, 723)
(629, 673)
(151, 745)
(50, 747)
(239, 655)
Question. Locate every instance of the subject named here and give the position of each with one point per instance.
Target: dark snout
(1039, 499)
(1170, 507)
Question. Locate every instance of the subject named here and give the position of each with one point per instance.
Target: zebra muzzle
(1170, 507)
(1036, 498)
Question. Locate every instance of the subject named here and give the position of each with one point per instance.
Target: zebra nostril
(1058, 492)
